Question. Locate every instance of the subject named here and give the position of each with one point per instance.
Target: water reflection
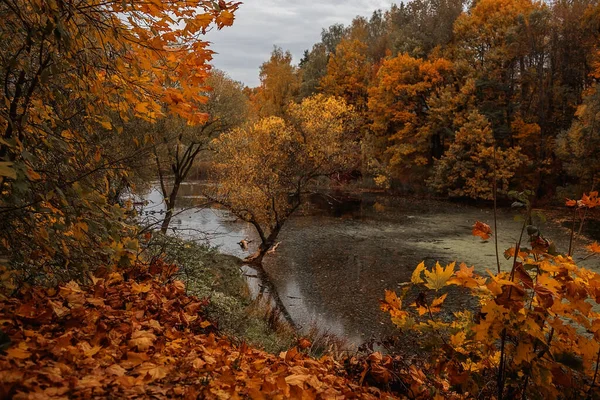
(194, 221)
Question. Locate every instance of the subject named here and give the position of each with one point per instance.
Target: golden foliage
(264, 168)
(398, 106)
(537, 331)
(471, 164)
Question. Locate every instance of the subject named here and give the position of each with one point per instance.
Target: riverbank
(136, 333)
(218, 277)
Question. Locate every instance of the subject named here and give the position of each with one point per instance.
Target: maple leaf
(224, 19)
(523, 276)
(416, 275)
(296, 380)
(391, 298)
(151, 371)
(140, 288)
(458, 339)
(438, 277)
(304, 343)
(571, 203)
(591, 200)
(116, 369)
(465, 277)
(142, 340)
(482, 230)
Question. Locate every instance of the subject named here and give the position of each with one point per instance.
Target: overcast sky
(294, 25)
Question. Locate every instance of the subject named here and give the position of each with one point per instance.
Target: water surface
(339, 254)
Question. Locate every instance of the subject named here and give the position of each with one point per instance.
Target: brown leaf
(152, 371)
(142, 340)
(116, 369)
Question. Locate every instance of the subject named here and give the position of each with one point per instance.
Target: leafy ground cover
(137, 334)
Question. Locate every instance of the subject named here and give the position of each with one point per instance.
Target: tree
(312, 68)
(470, 166)
(265, 168)
(419, 26)
(279, 84)
(399, 109)
(348, 73)
(579, 147)
(332, 36)
(177, 145)
(73, 72)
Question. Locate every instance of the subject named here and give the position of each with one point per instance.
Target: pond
(341, 251)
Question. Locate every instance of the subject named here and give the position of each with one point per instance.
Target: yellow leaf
(416, 275)
(141, 108)
(524, 352)
(137, 288)
(224, 19)
(92, 351)
(34, 176)
(296, 380)
(458, 339)
(106, 125)
(205, 324)
(437, 279)
(437, 303)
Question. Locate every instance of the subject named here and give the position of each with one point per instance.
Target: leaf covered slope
(138, 335)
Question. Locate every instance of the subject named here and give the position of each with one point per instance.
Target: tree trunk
(264, 247)
(170, 202)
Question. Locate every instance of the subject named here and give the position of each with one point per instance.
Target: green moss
(208, 273)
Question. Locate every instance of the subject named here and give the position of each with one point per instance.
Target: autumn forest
(410, 210)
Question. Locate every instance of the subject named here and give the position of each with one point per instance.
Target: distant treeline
(455, 93)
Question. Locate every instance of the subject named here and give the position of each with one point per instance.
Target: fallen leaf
(142, 340)
(482, 230)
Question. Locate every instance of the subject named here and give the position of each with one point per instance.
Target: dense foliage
(535, 334)
(467, 99)
(419, 70)
(74, 73)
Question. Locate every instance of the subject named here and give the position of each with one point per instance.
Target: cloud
(293, 25)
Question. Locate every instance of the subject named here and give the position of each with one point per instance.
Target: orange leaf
(482, 230)
(436, 306)
(116, 369)
(591, 200)
(416, 275)
(571, 203)
(304, 343)
(152, 371)
(594, 247)
(18, 352)
(465, 277)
